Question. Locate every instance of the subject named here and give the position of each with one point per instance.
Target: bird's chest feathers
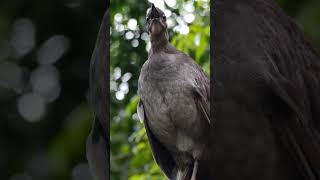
(164, 82)
(166, 92)
(162, 74)
(168, 96)
(161, 66)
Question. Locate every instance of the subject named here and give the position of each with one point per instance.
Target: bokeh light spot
(31, 107)
(189, 18)
(23, 37)
(45, 81)
(171, 3)
(120, 95)
(135, 43)
(53, 49)
(129, 35)
(118, 18)
(132, 24)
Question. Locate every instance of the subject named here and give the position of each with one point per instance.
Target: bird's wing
(202, 95)
(296, 127)
(161, 155)
(201, 88)
(98, 140)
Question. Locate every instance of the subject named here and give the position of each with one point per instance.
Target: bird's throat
(159, 41)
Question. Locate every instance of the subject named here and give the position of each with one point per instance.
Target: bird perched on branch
(266, 83)
(174, 103)
(98, 140)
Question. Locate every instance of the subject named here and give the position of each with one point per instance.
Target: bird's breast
(170, 108)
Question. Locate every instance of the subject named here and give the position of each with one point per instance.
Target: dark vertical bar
(211, 56)
(98, 141)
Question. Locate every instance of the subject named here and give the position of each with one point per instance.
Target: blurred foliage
(189, 31)
(45, 50)
(130, 152)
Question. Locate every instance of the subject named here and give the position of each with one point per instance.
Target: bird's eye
(164, 17)
(148, 19)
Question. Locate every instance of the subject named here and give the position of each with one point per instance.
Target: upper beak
(154, 12)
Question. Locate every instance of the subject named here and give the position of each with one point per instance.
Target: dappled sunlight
(189, 31)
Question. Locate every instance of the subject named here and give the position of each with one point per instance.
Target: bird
(174, 103)
(97, 145)
(265, 95)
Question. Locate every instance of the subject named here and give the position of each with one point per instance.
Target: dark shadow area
(45, 51)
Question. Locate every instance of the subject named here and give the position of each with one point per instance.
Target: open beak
(156, 22)
(154, 12)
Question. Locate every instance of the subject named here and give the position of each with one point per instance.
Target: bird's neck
(159, 41)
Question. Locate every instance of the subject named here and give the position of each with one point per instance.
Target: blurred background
(189, 31)
(45, 49)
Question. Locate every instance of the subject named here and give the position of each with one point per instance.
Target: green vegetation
(43, 130)
(189, 31)
(130, 153)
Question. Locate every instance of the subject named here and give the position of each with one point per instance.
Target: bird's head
(156, 21)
